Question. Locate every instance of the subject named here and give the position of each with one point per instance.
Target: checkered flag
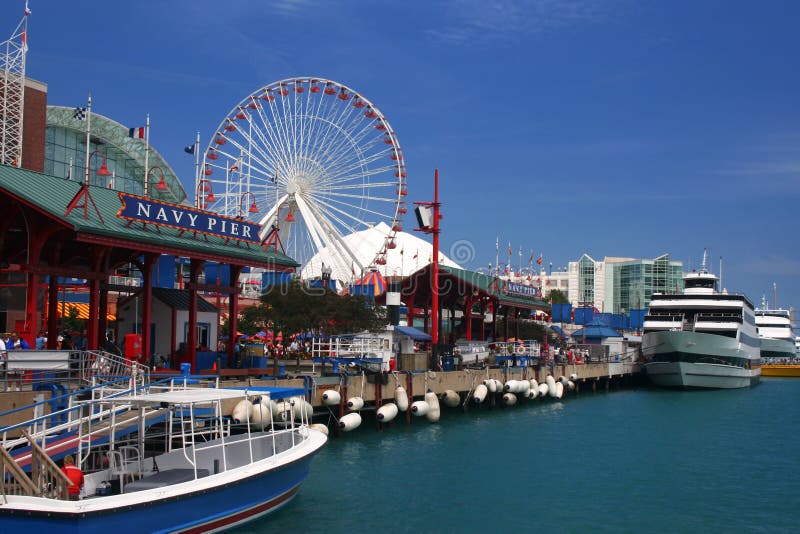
(79, 114)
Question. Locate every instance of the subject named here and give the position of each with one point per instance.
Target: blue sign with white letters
(147, 210)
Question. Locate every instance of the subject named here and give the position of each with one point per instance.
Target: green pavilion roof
(495, 287)
(52, 195)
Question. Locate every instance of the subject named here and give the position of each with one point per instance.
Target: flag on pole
(509, 249)
(189, 149)
(136, 133)
(79, 113)
(539, 259)
(27, 9)
(24, 39)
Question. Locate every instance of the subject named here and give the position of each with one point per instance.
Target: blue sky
(615, 128)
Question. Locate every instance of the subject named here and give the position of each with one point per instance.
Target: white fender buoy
(419, 408)
(319, 427)
(479, 395)
(262, 413)
(301, 409)
(563, 379)
(559, 390)
(281, 410)
(355, 403)
(401, 398)
(350, 421)
(509, 399)
(523, 387)
(510, 386)
(331, 397)
(490, 385)
(242, 411)
(571, 385)
(387, 412)
(551, 385)
(450, 398)
(498, 386)
(534, 388)
(573, 377)
(434, 412)
(543, 390)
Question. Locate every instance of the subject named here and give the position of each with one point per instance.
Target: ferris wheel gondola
(314, 159)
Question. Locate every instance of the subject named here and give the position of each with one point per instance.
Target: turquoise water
(636, 460)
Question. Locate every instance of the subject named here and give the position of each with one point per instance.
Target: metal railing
(41, 368)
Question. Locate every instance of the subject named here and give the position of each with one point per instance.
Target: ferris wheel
(314, 159)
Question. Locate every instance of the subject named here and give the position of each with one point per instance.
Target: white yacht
(701, 338)
(775, 331)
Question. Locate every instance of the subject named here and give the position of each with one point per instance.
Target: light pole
(161, 185)
(253, 207)
(204, 186)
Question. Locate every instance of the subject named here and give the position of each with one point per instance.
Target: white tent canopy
(410, 254)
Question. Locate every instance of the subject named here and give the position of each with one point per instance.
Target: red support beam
(52, 313)
(147, 304)
(233, 312)
(195, 267)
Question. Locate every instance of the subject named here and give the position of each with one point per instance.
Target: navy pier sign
(146, 210)
(519, 289)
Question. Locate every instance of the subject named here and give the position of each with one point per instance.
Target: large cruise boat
(701, 338)
(775, 330)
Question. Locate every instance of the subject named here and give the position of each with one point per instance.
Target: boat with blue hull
(701, 338)
(212, 480)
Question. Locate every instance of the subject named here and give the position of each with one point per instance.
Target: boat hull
(781, 370)
(777, 348)
(210, 509)
(691, 360)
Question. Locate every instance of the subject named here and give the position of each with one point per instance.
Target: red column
(233, 310)
(103, 314)
(173, 337)
(195, 266)
(147, 304)
(435, 267)
(410, 310)
(468, 316)
(32, 314)
(52, 312)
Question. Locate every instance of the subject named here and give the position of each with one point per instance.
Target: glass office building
(110, 143)
(618, 285)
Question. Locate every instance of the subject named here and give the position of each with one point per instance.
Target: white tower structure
(12, 100)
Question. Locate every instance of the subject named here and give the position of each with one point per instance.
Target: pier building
(615, 284)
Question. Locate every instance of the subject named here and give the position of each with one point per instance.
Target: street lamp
(161, 185)
(253, 208)
(204, 186)
(103, 170)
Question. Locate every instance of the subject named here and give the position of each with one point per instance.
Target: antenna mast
(12, 104)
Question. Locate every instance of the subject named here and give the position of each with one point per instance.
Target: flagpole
(88, 128)
(147, 156)
(197, 164)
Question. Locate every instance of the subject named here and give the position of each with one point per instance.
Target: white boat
(471, 352)
(204, 479)
(775, 332)
(701, 338)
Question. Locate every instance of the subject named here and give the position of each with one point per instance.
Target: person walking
(75, 475)
(16, 343)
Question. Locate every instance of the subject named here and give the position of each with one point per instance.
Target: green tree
(297, 308)
(557, 296)
(71, 323)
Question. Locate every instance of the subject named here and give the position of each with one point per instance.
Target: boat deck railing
(49, 369)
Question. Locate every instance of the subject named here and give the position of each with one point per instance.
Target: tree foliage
(295, 308)
(557, 296)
